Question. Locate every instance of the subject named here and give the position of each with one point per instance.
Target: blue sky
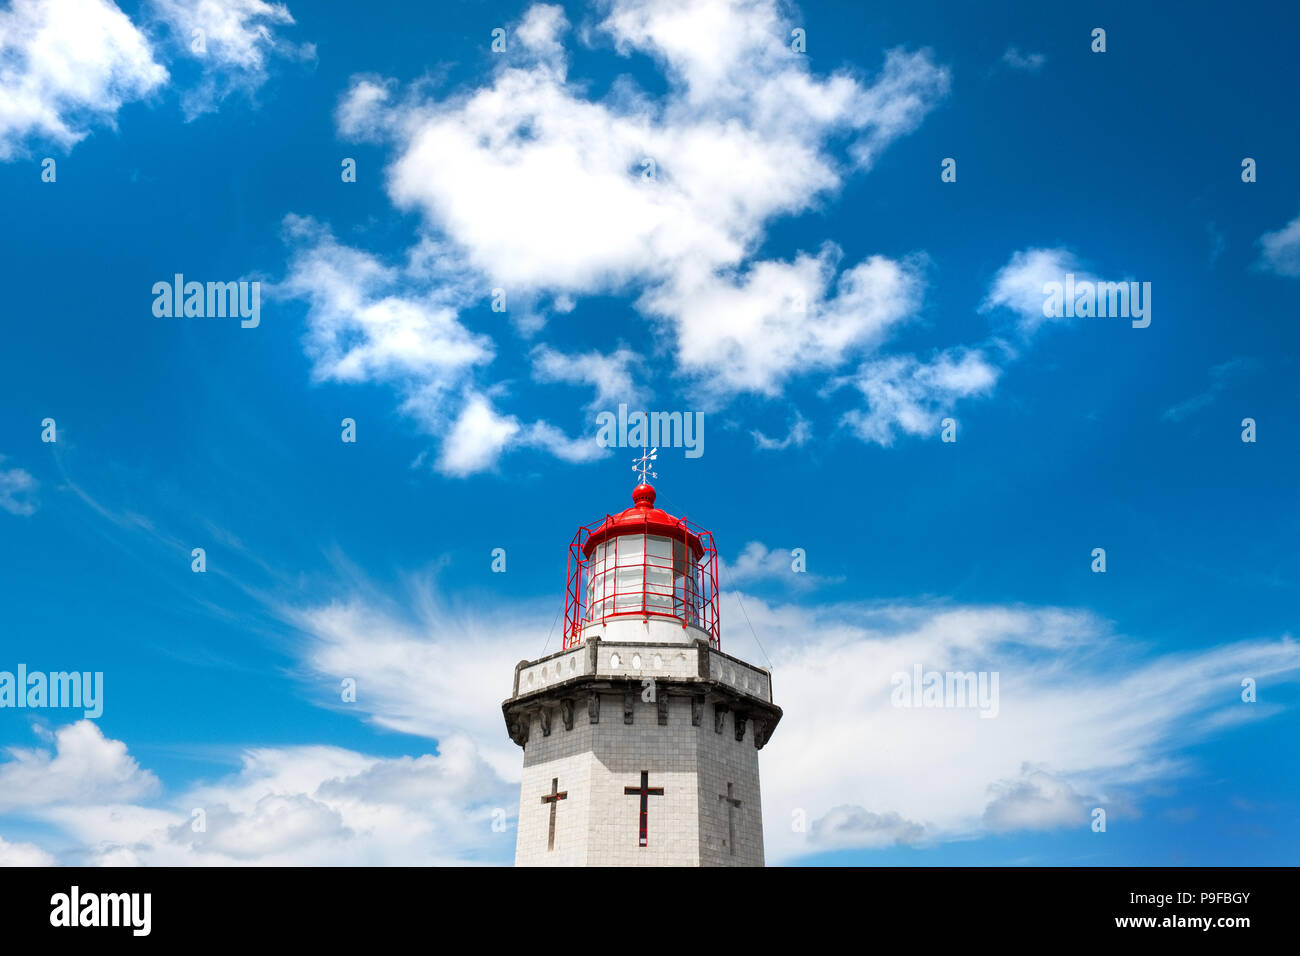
(778, 178)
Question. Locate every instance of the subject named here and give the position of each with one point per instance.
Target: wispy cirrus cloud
(1085, 718)
(1085, 715)
(799, 434)
(1221, 377)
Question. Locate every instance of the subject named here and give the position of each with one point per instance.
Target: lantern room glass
(643, 574)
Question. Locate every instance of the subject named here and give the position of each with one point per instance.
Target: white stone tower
(641, 737)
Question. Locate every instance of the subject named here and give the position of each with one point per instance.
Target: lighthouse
(641, 735)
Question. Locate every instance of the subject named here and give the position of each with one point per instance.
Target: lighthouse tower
(641, 736)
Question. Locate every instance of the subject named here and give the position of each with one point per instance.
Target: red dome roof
(642, 518)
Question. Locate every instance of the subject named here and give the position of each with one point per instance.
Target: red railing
(690, 594)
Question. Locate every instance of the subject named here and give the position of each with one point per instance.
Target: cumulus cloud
(69, 65)
(542, 189)
(541, 29)
(300, 806)
(527, 184)
(66, 65)
(368, 320)
(17, 490)
(907, 395)
(23, 854)
(852, 826)
(82, 767)
(1028, 62)
(611, 375)
(232, 39)
(1018, 285)
(751, 332)
(480, 434)
(371, 321)
(1036, 800)
(757, 563)
(1280, 250)
(477, 438)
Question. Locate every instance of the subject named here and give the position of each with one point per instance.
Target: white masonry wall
(723, 760)
(597, 823)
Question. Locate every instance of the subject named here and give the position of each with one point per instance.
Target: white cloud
(853, 826)
(232, 39)
(305, 806)
(17, 490)
(758, 563)
(1221, 376)
(541, 29)
(66, 65)
(23, 854)
(911, 396)
(751, 333)
(538, 189)
(580, 448)
(799, 434)
(1029, 62)
(1018, 285)
(371, 321)
(544, 190)
(1035, 800)
(1280, 250)
(428, 666)
(84, 767)
(480, 435)
(610, 374)
(907, 395)
(477, 438)
(1084, 715)
(326, 805)
(1085, 718)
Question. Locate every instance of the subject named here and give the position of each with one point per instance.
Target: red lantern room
(642, 575)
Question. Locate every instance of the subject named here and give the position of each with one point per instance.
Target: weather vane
(643, 465)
